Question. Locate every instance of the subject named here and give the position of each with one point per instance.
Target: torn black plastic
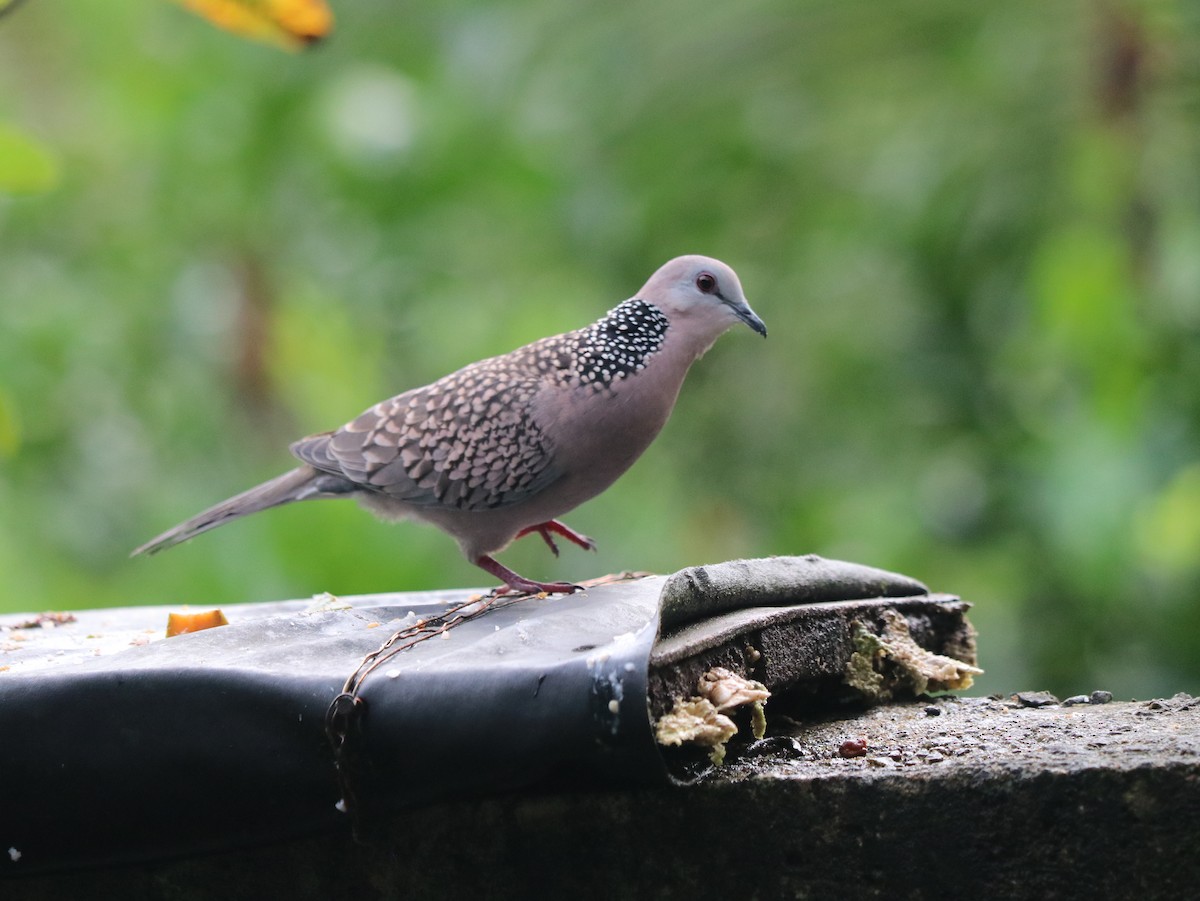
(115, 753)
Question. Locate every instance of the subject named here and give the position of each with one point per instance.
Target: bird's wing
(468, 441)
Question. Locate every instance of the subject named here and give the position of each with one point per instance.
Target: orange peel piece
(182, 623)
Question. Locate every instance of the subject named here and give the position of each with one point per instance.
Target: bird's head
(700, 294)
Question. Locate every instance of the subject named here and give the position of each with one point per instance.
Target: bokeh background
(973, 230)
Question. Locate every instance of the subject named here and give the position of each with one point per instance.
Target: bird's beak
(742, 311)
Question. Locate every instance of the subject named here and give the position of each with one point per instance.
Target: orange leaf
(292, 24)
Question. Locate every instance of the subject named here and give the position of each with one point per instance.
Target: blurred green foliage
(973, 230)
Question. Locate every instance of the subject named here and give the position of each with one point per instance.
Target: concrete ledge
(955, 798)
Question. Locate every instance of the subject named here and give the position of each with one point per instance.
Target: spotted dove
(502, 447)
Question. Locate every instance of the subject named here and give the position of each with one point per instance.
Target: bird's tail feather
(299, 484)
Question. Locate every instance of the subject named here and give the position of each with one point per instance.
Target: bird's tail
(299, 484)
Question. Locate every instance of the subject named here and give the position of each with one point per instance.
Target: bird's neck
(620, 345)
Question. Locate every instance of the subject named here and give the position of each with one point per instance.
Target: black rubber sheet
(118, 745)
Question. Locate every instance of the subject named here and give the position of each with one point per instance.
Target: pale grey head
(701, 293)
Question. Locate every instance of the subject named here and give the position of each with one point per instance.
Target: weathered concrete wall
(972, 798)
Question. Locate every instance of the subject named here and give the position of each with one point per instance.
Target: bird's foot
(529, 587)
(515, 584)
(545, 528)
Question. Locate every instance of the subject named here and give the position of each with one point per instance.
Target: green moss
(861, 672)
(758, 719)
(884, 665)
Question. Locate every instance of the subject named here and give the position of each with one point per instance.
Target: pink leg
(545, 528)
(520, 584)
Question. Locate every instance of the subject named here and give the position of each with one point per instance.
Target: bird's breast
(602, 430)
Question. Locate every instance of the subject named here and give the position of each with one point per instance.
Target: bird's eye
(706, 282)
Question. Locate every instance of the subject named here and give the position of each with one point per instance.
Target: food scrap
(702, 721)
(695, 721)
(182, 623)
(44, 621)
(853, 747)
